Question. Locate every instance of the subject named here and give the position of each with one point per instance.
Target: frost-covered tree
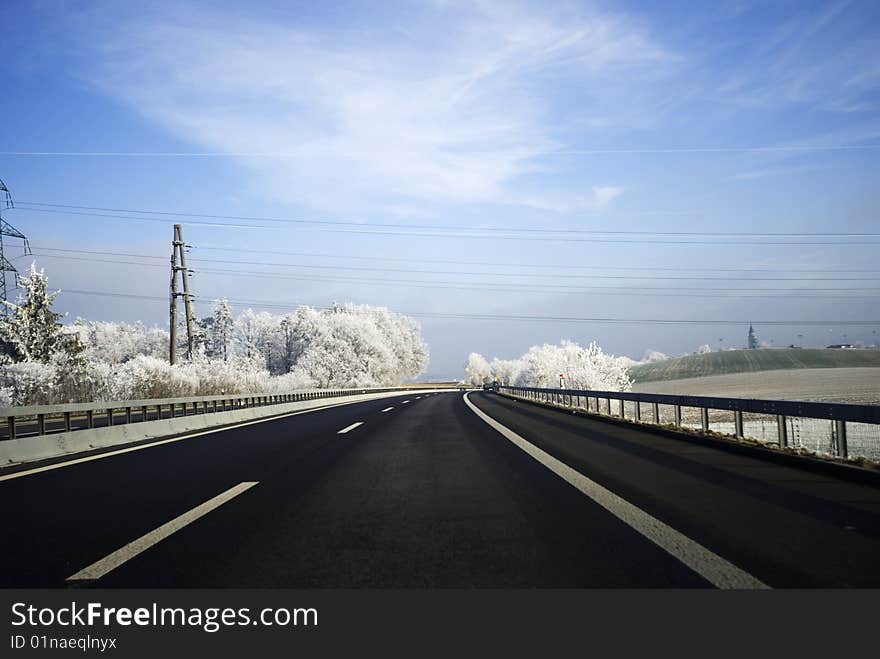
(116, 343)
(32, 329)
(703, 349)
(477, 370)
(255, 335)
(654, 356)
(583, 367)
(344, 346)
(506, 371)
(357, 344)
(221, 329)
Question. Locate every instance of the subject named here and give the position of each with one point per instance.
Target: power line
(465, 273)
(554, 266)
(500, 233)
(447, 227)
(535, 154)
(537, 318)
(493, 264)
(148, 219)
(840, 294)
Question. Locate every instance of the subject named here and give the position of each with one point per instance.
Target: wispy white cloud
(599, 198)
(383, 118)
(774, 172)
(819, 59)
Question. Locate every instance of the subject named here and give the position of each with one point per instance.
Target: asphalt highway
(421, 491)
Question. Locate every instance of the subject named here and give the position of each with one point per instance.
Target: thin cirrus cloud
(393, 117)
(822, 59)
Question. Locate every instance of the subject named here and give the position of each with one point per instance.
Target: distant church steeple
(753, 340)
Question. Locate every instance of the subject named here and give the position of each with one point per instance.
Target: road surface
(421, 491)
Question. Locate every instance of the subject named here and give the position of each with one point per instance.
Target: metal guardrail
(135, 411)
(839, 413)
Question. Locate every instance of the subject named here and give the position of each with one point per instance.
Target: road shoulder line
(715, 569)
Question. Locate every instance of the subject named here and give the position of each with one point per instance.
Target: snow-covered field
(841, 385)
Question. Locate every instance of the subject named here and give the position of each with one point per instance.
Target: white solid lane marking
(405, 402)
(350, 428)
(388, 409)
(112, 561)
(418, 398)
(709, 565)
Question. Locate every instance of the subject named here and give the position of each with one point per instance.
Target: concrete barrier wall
(42, 447)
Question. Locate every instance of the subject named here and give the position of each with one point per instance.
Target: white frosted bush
(29, 383)
(477, 370)
(583, 367)
(346, 346)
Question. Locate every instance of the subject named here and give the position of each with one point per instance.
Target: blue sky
(500, 116)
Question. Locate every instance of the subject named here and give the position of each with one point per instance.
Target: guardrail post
(608, 406)
(128, 414)
(656, 411)
(678, 415)
(638, 410)
(622, 407)
(109, 416)
(67, 422)
(842, 449)
(704, 418)
(10, 424)
(90, 419)
(41, 424)
(738, 424)
(782, 429)
(143, 412)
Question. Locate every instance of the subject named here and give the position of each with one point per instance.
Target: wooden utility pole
(178, 264)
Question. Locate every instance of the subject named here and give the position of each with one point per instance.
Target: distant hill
(763, 359)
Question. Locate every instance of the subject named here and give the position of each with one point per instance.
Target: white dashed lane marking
(112, 561)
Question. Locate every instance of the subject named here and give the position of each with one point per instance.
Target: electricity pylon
(7, 229)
